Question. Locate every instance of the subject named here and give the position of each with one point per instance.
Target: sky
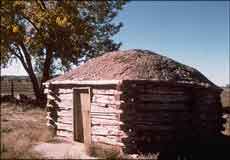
(194, 33)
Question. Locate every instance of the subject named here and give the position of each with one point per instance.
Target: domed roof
(135, 64)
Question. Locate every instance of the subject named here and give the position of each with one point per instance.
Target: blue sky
(193, 32)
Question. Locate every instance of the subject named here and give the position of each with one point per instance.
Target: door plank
(82, 121)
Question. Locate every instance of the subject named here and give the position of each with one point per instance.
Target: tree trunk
(40, 97)
(46, 68)
(46, 73)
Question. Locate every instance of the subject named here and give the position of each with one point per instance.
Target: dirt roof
(135, 65)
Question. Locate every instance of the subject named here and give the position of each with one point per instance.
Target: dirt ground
(61, 148)
(24, 135)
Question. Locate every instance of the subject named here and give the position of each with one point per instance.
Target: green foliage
(47, 36)
(69, 29)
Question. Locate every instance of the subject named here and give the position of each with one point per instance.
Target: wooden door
(81, 115)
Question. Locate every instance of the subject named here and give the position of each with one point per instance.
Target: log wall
(104, 114)
(158, 114)
(139, 116)
(206, 113)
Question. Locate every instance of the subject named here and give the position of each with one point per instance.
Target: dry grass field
(21, 128)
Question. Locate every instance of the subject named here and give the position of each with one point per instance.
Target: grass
(121, 59)
(20, 130)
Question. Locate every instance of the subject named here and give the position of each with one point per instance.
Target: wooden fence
(16, 87)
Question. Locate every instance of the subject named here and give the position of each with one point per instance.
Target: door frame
(77, 91)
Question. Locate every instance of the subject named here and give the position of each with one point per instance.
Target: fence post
(12, 88)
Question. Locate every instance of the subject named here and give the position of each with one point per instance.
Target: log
(107, 102)
(103, 139)
(65, 105)
(65, 109)
(65, 113)
(160, 107)
(165, 98)
(105, 122)
(162, 122)
(85, 82)
(105, 105)
(109, 114)
(50, 97)
(96, 108)
(50, 114)
(46, 90)
(66, 100)
(65, 91)
(107, 133)
(159, 91)
(66, 97)
(64, 133)
(104, 97)
(61, 114)
(101, 116)
(154, 128)
(104, 118)
(64, 121)
(64, 127)
(154, 117)
(106, 92)
(112, 128)
(51, 125)
(68, 119)
(65, 116)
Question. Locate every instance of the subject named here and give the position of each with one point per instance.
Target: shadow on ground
(206, 149)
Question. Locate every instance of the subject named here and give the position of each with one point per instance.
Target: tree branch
(30, 22)
(27, 56)
(20, 57)
(41, 4)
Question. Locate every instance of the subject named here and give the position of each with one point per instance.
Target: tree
(46, 36)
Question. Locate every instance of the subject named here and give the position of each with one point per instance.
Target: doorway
(81, 115)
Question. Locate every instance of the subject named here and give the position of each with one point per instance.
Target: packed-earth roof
(135, 64)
